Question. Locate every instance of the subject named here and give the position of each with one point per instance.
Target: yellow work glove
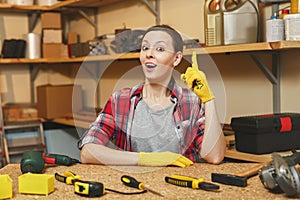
(159, 159)
(196, 80)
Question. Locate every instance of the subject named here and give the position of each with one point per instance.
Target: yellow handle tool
(186, 181)
(132, 182)
(68, 178)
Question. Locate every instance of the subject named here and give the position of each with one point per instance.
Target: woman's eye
(160, 49)
(144, 48)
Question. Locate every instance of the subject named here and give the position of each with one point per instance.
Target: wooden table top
(151, 176)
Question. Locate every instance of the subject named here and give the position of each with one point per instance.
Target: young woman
(157, 123)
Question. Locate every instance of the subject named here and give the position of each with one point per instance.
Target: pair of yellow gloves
(195, 80)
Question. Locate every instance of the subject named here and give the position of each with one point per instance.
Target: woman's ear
(177, 58)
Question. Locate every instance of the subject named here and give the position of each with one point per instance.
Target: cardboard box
(51, 20)
(52, 36)
(73, 38)
(54, 101)
(13, 112)
(263, 134)
(53, 50)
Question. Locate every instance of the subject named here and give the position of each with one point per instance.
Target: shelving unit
(252, 49)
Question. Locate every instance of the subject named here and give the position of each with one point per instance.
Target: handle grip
(132, 182)
(178, 182)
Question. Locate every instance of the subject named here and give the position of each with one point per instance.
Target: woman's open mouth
(150, 65)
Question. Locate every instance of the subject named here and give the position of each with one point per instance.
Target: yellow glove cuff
(163, 159)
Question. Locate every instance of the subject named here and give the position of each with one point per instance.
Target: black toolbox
(261, 134)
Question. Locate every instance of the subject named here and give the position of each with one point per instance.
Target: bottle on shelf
(274, 29)
(283, 13)
(295, 6)
(213, 20)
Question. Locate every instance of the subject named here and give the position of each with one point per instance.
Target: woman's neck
(155, 94)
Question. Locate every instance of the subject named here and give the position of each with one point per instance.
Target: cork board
(151, 176)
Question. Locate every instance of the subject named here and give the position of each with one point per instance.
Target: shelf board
(251, 47)
(285, 44)
(57, 6)
(91, 3)
(261, 46)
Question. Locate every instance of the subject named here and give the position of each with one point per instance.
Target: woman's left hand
(196, 80)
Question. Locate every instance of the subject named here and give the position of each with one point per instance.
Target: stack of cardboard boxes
(52, 35)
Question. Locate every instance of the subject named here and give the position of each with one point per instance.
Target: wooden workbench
(153, 177)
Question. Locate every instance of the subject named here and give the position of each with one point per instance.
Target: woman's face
(157, 57)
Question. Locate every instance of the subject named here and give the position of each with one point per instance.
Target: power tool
(281, 175)
(34, 161)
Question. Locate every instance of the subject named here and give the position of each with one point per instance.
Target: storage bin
(46, 2)
(5, 187)
(262, 134)
(36, 183)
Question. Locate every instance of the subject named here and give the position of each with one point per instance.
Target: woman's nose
(149, 53)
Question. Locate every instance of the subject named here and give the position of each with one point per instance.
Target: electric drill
(34, 161)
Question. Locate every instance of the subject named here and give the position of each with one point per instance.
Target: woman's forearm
(214, 144)
(99, 154)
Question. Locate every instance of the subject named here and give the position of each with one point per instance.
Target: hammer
(238, 179)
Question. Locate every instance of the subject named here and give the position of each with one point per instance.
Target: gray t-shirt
(153, 129)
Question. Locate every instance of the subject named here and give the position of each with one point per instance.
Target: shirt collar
(176, 92)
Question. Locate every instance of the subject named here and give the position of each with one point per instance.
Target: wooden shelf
(66, 3)
(252, 47)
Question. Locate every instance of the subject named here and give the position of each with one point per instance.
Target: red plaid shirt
(113, 125)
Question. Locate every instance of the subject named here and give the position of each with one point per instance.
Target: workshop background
(248, 91)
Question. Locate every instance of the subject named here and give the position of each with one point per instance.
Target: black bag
(127, 40)
(13, 48)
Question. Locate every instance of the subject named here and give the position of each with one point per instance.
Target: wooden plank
(261, 46)
(234, 154)
(70, 122)
(285, 45)
(93, 3)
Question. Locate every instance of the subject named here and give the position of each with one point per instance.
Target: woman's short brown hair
(176, 37)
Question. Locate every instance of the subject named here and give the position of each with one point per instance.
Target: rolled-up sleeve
(101, 130)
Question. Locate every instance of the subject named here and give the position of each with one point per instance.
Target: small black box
(269, 133)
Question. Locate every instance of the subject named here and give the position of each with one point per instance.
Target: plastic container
(213, 20)
(262, 134)
(292, 27)
(20, 2)
(295, 6)
(274, 29)
(240, 21)
(5, 187)
(283, 13)
(33, 45)
(36, 183)
(46, 2)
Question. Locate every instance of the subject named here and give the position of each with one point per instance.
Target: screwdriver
(186, 181)
(132, 182)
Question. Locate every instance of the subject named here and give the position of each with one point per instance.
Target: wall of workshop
(15, 78)
(247, 89)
